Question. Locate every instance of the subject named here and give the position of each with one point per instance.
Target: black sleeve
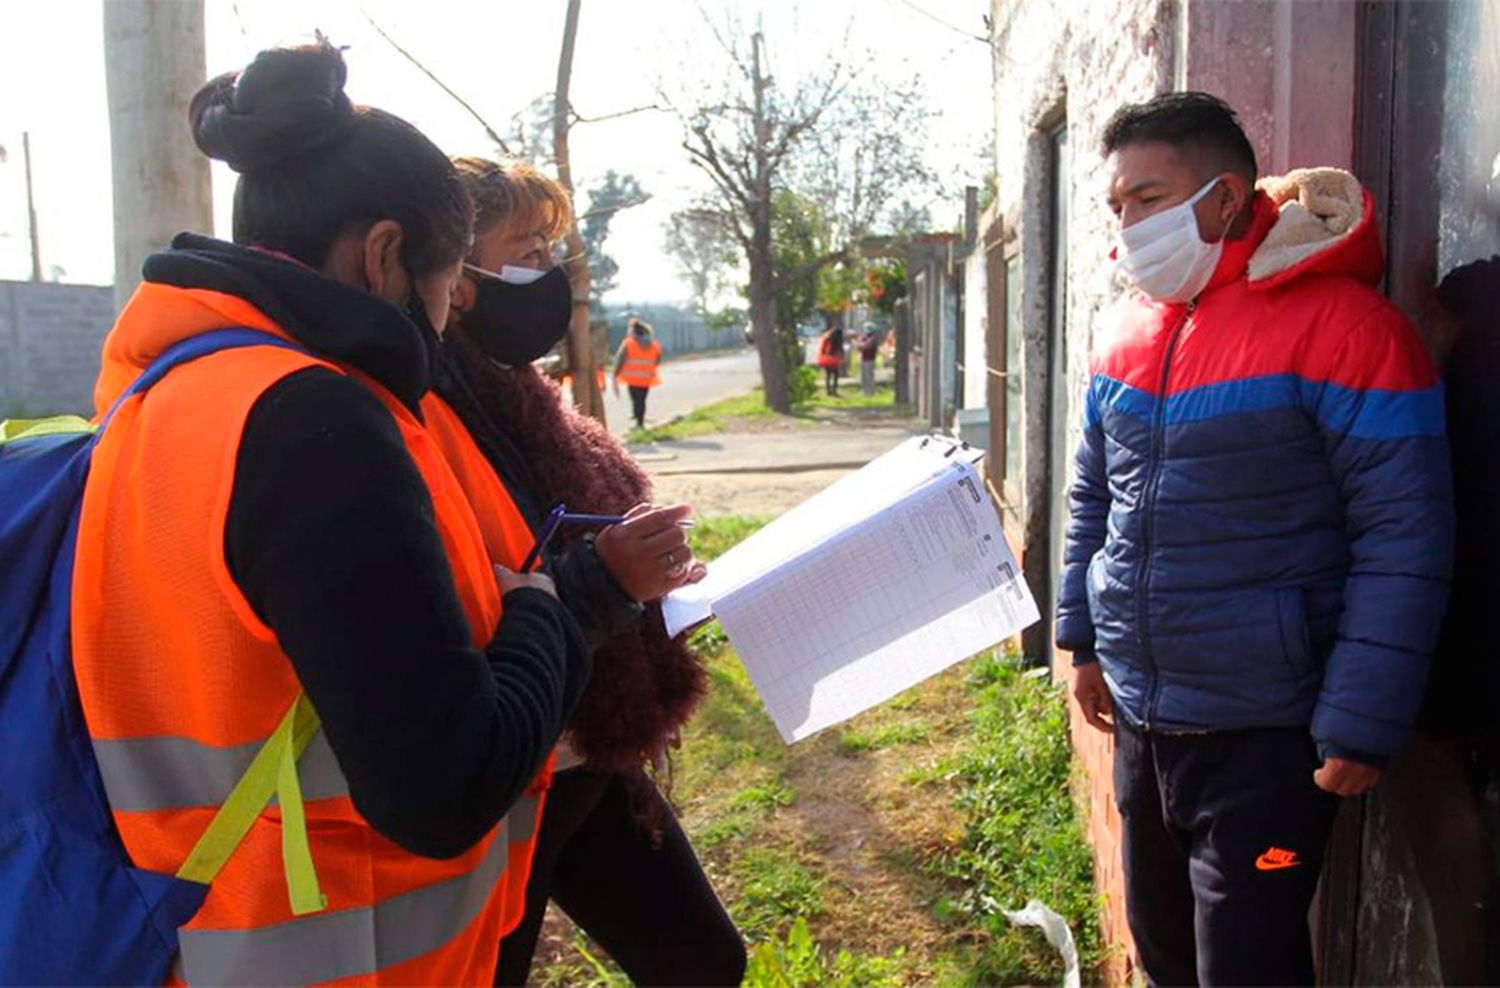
(596, 601)
(331, 537)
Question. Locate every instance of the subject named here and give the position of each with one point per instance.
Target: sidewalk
(766, 472)
(820, 447)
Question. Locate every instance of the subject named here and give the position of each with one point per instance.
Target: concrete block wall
(50, 338)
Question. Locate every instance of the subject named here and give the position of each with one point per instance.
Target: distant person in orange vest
(831, 356)
(637, 363)
(271, 549)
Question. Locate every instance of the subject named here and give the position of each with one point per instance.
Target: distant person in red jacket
(869, 346)
(831, 357)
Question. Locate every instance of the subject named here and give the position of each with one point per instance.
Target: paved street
(688, 383)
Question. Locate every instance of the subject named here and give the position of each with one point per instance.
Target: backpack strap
(57, 425)
(191, 349)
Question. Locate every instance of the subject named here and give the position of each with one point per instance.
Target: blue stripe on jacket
(1375, 413)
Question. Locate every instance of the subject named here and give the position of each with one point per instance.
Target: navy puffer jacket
(1262, 521)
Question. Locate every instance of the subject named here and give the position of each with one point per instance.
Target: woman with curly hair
(611, 853)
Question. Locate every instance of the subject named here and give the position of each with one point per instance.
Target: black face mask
(516, 324)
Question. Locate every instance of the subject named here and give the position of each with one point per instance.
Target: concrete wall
(50, 337)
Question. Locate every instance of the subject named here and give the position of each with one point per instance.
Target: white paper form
(805, 527)
(832, 619)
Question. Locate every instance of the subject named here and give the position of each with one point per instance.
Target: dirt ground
(762, 494)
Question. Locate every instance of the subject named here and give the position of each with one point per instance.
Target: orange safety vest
(181, 683)
(641, 362)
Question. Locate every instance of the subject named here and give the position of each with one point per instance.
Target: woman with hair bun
(610, 852)
(280, 589)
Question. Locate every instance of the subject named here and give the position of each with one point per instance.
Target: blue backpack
(73, 910)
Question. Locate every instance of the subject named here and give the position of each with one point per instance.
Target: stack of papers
(885, 578)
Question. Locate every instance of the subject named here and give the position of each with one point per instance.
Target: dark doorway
(1059, 411)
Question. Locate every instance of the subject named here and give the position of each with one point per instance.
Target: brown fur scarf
(645, 685)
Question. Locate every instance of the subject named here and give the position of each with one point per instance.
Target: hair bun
(287, 102)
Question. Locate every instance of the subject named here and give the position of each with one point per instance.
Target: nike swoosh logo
(1267, 862)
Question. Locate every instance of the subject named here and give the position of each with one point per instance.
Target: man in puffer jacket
(1261, 536)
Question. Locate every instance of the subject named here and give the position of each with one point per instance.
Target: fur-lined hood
(1324, 224)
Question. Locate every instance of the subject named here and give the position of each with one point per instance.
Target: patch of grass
(727, 826)
(765, 797)
(942, 770)
(855, 740)
(590, 968)
(708, 419)
(733, 729)
(725, 415)
(711, 537)
(797, 960)
(1023, 838)
(850, 396)
(775, 887)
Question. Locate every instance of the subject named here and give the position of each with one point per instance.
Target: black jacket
(331, 537)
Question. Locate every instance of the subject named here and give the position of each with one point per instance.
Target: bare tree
(699, 239)
(834, 135)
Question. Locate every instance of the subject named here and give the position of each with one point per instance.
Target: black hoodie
(331, 537)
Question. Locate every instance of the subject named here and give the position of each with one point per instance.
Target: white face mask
(1164, 255)
(512, 274)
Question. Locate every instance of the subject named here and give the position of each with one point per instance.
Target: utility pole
(154, 62)
(36, 251)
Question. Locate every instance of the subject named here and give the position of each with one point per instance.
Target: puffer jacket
(1262, 520)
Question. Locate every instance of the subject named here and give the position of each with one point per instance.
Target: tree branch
(707, 158)
(613, 209)
(792, 275)
(579, 118)
(490, 131)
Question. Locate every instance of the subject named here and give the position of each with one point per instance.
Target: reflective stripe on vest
(174, 773)
(353, 942)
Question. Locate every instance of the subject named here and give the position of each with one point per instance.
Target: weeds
(855, 740)
(796, 961)
(1023, 839)
(776, 887)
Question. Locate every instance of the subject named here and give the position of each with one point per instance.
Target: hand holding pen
(647, 554)
(644, 550)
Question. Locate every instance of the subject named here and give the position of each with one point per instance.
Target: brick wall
(50, 336)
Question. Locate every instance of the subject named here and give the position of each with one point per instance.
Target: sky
(500, 55)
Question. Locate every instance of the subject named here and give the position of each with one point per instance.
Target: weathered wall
(1071, 62)
(972, 385)
(50, 337)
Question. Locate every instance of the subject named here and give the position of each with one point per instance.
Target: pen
(572, 519)
(543, 537)
(561, 516)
